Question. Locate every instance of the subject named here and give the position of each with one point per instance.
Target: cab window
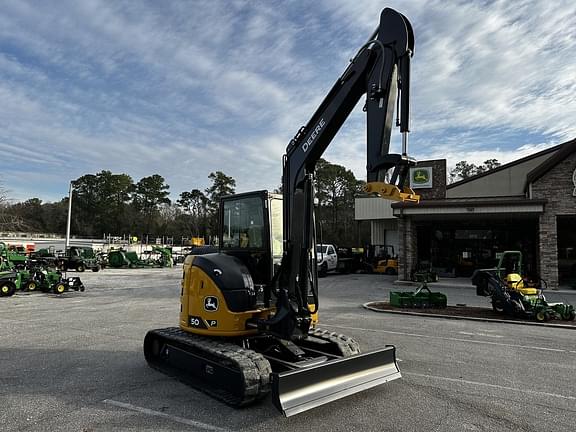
(243, 223)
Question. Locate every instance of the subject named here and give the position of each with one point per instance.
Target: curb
(441, 285)
(467, 318)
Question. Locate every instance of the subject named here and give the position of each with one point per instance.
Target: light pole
(69, 215)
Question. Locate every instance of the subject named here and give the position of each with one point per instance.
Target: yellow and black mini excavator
(249, 312)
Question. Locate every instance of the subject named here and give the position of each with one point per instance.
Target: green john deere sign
(421, 177)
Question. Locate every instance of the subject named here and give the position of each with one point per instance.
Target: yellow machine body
(198, 288)
(517, 283)
(204, 310)
(387, 266)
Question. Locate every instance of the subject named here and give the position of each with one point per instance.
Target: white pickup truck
(330, 258)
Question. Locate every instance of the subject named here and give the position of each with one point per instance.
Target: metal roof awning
(471, 207)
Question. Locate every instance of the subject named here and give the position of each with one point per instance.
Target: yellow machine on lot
(381, 259)
(514, 294)
(248, 317)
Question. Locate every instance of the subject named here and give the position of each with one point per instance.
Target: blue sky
(184, 88)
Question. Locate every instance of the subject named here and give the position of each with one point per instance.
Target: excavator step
(299, 390)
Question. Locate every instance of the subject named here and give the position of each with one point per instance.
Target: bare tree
(8, 221)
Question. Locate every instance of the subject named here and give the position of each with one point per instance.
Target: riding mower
(515, 295)
(16, 280)
(47, 280)
(37, 279)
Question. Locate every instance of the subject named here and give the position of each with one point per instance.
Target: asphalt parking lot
(74, 363)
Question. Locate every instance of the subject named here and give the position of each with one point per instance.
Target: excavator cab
(252, 232)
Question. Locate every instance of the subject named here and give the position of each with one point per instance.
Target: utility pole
(69, 215)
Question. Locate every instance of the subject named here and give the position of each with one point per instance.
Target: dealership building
(527, 205)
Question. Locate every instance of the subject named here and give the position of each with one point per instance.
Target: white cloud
(183, 90)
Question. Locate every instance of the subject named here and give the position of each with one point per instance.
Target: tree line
(463, 170)
(114, 204)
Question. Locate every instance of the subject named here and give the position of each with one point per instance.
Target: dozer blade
(299, 390)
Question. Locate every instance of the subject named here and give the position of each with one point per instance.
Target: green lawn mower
(37, 280)
(16, 280)
(513, 294)
(52, 281)
(8, 283)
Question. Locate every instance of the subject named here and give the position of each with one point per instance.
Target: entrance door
(566, 249)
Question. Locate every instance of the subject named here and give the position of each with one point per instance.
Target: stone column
(407, 245)
(548, 245)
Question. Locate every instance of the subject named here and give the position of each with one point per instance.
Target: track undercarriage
(321, 368)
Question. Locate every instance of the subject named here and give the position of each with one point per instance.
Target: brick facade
(438, 189)
(407, 235)
(557, 187)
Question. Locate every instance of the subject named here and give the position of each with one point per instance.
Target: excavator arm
(381, 71)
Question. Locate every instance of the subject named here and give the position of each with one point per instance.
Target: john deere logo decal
(211, 304)
(420, 176)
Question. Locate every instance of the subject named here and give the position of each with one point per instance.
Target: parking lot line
(481, 334)
(147, 411)
(480, 342)
(495, 386)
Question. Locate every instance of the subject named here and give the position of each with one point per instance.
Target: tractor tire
(390, 271)
(368, 269)
(31, 285)
(497, 306)
(96, 269)
(59, 288)
(344, 270)
(323, 270)
(571, 316)
(482, 287)
(7, 289)
(542, 316)
(80, 267)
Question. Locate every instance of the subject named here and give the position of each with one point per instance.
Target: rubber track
(255, 368)
(347, 346)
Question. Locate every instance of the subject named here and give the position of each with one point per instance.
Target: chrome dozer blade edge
(299, 390)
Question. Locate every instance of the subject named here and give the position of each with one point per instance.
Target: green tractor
(160, 257)
(12, 257)
(124, 259)
(513, 294)
(157, 257)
